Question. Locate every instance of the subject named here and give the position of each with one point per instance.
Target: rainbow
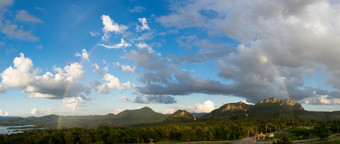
(282, 81)
(59, 116)
(78, 21)
(264, 60)
(68, 87)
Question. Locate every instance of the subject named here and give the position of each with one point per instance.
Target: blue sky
(86, 57)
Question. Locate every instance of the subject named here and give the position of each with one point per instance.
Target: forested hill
(141, 116)
(271, 108)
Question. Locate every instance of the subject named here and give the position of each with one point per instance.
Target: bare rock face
(286, 102)
(235, 107)
(270, 100)
(182, 113)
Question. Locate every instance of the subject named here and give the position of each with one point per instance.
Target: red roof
(261, 135)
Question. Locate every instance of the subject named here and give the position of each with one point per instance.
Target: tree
(322, 130)
(284, 140)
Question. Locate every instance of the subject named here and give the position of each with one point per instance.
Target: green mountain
(129, 117)
(275, 108)
(180, 116)
(144, 115)
(229, 111)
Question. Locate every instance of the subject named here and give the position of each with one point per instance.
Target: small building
(271, 135)
(261, 136)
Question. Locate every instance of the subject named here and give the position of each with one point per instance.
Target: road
(251, 140)
(314, 139)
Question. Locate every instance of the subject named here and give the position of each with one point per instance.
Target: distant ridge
(270, 108)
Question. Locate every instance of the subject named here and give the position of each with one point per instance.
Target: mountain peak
(182, 113)
(180, 116)
(145, 108)
(231, 110)
(286, 102)
(270, 100)
(235, 107)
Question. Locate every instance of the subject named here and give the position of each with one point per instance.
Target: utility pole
(248, 133)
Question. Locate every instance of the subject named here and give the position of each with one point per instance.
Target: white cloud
(5, 3)
(168, 111)
(20, 76)
(84, 55)
(206, 107)
(117, 111)
(56, 86)
(41, 112)
(321, 99)
(12, 31)
(39, 47)
(48, 85)
(40, 9)
(2, 88)
(74, 71)
(145, 46)
(145, 36)
(111, 26)
(248, 103)
(94, 34)
(137, 9)
(34, 111)
(23, 15)
(122, 44)
(126, 68)
(112, 83)
(74, 103)
(106, 69)
(123, 99)
(281, 42)
(3, 113)
(97, 69)
(144, 26)
(147, 99)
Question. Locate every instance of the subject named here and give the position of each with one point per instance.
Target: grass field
(333, 140)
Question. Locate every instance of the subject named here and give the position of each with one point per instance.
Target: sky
(84, 57)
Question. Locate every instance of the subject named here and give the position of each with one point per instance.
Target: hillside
(276, 108)
(270, 108)
(129, 117)
(229, 111)
(144, 115)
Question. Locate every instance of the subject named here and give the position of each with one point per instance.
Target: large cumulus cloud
(280, 43)
(54, 86)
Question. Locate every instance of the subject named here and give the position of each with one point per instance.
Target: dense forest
(195, 131)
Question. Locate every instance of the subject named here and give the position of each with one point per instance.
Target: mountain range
(270, 108)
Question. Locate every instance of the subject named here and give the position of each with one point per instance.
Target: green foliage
(196, 131)
(284, 140)
(322, 130)
(301, 133)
